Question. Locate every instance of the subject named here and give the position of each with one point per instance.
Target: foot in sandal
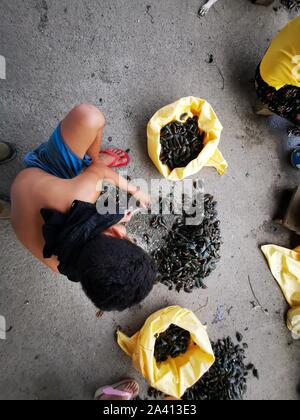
(114, 158)
(7, 152)
(4, 209)
(125, 390)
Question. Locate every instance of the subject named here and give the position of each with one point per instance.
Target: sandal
(118, 158)
(8, 152)
(4, 209)
(113, 391)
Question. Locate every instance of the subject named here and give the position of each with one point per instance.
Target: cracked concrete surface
(131, 60)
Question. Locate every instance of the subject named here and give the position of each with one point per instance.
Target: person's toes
(131, 387)
(119, 152)
(121, 156)
(108, 159)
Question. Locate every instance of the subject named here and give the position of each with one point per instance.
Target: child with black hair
(55, 217)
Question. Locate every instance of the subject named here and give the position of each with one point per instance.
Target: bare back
(34, 189)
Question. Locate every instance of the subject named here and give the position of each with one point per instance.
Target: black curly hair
(115, 273)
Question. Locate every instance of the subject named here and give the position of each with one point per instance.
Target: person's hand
(127, 217)
(143, 198)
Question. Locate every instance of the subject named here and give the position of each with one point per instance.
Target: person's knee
(89, 116)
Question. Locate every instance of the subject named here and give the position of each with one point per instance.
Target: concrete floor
(114, 54)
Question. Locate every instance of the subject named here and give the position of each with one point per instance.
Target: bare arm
(117, 180)
(88, 184)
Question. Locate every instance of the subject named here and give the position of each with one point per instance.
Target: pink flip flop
(113, 391)
(115, 164)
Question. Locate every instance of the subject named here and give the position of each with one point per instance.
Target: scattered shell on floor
(189, 253)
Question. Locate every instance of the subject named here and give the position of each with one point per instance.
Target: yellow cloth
(174, 376)
(208, 122)
(285, 267)
(281, 64)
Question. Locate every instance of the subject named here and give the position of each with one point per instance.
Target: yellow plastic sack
(208, 122)
(285, 267)
(174, 376)
(293, 321)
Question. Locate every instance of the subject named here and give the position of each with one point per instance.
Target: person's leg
(82, 131)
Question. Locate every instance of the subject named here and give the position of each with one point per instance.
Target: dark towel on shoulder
(66, 234)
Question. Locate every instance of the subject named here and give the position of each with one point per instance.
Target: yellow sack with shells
(174, 376)
(208, 123)
(285, 267)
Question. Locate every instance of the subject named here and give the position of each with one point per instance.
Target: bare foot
(131, 387)
(108, 160)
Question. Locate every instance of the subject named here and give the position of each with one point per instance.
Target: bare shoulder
(37, 189)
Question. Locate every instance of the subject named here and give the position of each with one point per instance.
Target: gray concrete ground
(115, 55)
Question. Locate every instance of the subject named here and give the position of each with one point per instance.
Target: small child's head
(115, 273)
